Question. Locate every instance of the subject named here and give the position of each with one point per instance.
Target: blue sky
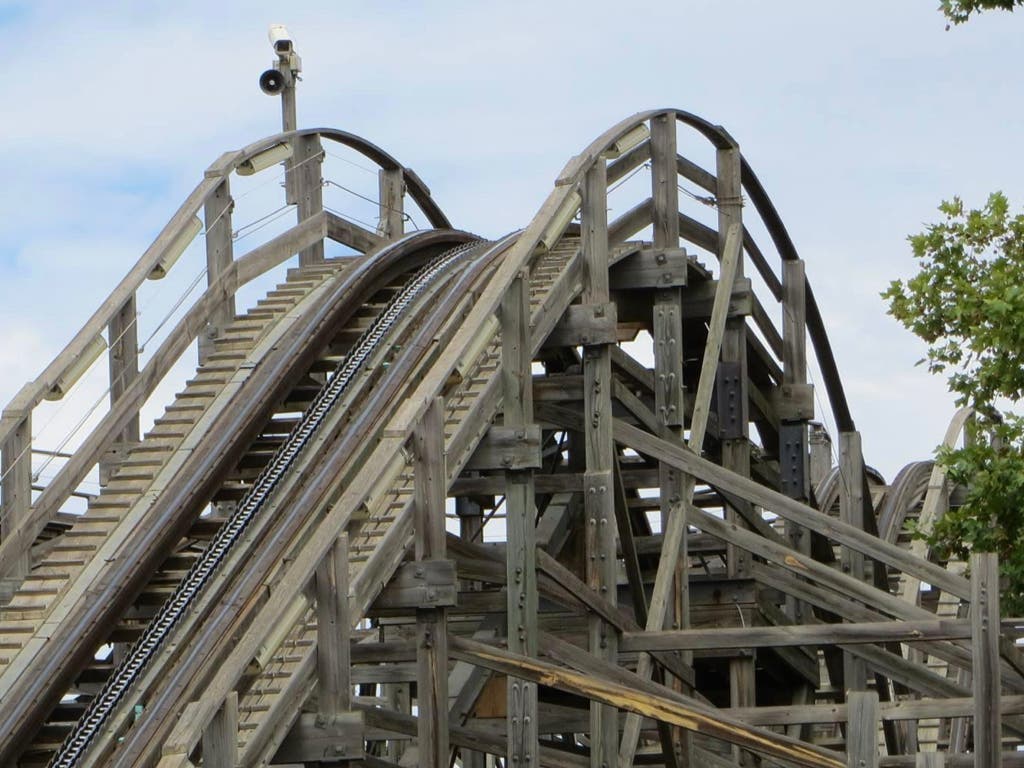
(858, 117)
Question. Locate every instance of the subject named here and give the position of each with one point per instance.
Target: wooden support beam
(680, 491)
(123, 358)
(315, 739)
(220, 739)
(391, 219)
(15, 496)
(598, 489)
(668, 707)
(862, 729)
(915, 630)
(306, 172)
(334, 632)
(219, 255)
(351, 234)
(851, 512)
(431, 623)
(985, 648)
(521, 530)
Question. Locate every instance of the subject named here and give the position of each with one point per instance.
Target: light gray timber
(307, 165)
(851, 512)
(334, 632)
(220, 739)
(219, 254)
(985, 646)
(391, 218)
(521, 531)
(431, 623)
(862, 729)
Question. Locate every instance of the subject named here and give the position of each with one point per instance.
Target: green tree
(967, 303)
(959, 11)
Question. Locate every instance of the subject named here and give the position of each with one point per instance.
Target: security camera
(280, 39)
(272, 82)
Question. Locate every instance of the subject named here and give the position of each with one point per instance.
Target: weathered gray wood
(651, 268)
(219, 255)
(521, 572)
(123, 357)
(598, 488)
(281, 248)
(391, 183)
(669, 707)
(851, 512)
(862, 729)
(307, 163)
(931, 760)
(320, 740)
(420, 584)
(985, 647)
(220, 739)
(583, 324)
(351, 234)
(504, 447)
(431, 623)
(334, 632)
(909, 631)
(16, 496)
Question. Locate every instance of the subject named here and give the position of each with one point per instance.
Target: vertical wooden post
(309, 191)
(219, 255)
(862, 729)
(821, 454)
(851, 511)
(733, 400)
(598, 500)
(15, 495)
(123, 364)
(669, 396)
(793, 437)
(431, 623)
(521, 569)
(391, 221)
(985, 656)
(334, 632)
(220, 739)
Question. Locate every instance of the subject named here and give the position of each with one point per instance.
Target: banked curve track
(612, 361)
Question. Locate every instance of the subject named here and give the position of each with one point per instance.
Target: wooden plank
(391, 218)
(420, 584)
(334, 632)
(281, 248)
(220, 739)
(668, 707)
(651, 268)
(16, 490)
(351, 234)
(306, 172)
(506, 448)
(985, 647)
(851, 512)
(431, 623)
(908, 631)
(862, 730)
(521, 533)
(318, 740)
(582, 324)
(890, 711)
(123, 356)
(598, 488)
(219, 255)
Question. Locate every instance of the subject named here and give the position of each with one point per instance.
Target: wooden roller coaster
(557, 499)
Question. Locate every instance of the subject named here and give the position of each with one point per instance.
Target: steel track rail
(70, 645)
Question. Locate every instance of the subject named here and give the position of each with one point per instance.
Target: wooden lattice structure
(682, 576)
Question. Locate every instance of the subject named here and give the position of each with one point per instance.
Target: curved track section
(619, 413)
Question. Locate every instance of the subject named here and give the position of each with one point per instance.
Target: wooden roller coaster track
(557, 499)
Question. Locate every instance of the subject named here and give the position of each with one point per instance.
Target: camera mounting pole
(281, 79)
